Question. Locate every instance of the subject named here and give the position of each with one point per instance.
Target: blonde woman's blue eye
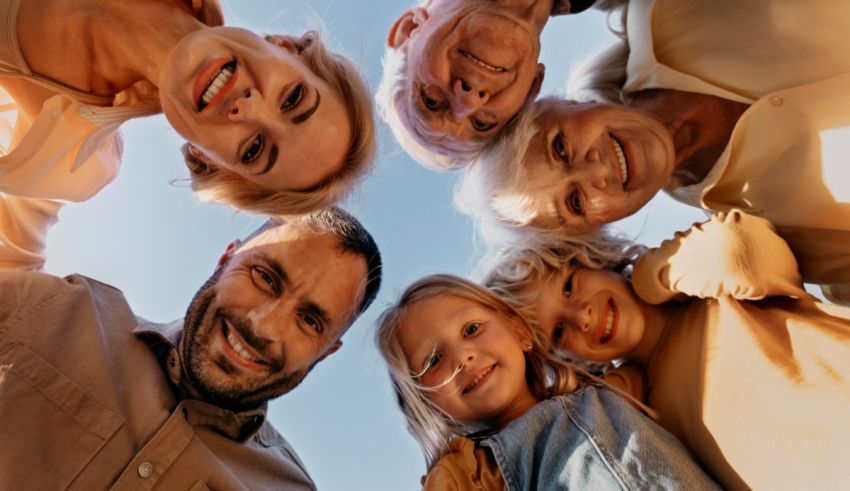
(255, 148)
(294, 98)
(471, 329)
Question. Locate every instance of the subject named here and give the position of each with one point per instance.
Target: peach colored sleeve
(730, 255)
(23, 231)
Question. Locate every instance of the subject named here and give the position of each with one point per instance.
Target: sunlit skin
(444, 333)
(286, 296)
(472, 64)
(576, 306)
(276, 123)
(264, 111)
(573, 170)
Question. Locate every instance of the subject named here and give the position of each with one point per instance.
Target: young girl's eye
(432, 361)
(255, 148)
(557, 334)
(471, 329)
(294, 98)
(559, 148)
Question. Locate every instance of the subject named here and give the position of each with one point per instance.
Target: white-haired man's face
(471, 66)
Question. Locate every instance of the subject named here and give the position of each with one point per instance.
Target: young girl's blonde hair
(213, 182)
(429, 425)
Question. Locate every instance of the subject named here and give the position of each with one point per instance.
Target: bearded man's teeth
(239, 348)
(483, 63)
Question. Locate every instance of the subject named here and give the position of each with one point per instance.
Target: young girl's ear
(521, 331)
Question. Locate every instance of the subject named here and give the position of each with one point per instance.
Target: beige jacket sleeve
(731, 255)
(23, 231)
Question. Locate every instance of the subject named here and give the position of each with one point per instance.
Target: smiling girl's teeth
(621, 159)
(609, 324)
(217, 83)
(239, 348)
(477, 379)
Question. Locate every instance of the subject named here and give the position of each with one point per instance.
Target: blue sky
(147, 235)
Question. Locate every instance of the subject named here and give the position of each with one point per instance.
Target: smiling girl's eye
(574, 203)
(255, 148)
(559, 148)
(264, 280)
(294, 98)
(471, 329)
(482, 126)
(557, 334)
(568, 285)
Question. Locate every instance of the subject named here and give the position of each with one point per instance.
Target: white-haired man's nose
(467, 98)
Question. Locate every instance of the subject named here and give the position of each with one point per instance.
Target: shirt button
(776, 101)
(145, 469)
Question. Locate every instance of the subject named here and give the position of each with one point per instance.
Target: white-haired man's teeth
(483, 63)
(239, 348)
(621, 159)
(218, 82)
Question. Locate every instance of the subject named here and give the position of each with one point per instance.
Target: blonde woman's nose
(246, 105)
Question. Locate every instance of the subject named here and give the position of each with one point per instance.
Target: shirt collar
(163, 340)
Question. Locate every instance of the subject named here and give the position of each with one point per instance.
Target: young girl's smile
(472, 357)
(591, 314)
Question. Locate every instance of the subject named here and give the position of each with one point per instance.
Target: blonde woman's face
(591, 164)
(255, 108)
(590, 314)
(471, 355)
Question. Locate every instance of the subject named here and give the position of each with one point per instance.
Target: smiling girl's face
(590, 314)
(471, 355)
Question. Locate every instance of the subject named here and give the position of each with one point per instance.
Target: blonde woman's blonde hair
(429, 425)
(213, 182)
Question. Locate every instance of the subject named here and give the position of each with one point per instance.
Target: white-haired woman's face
(591, 164)
(255, 108)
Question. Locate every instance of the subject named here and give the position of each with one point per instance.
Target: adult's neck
(102, 47)
(535, 12)
(657, 319)
(700, 125)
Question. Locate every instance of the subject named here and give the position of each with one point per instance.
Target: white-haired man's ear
(406, 25)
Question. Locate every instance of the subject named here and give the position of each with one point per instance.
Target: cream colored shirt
(788, 159)
(753, 374)
(91, 399)
(68, 152)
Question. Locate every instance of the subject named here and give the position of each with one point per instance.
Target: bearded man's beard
(201, 367)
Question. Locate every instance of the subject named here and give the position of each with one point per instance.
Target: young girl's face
(444, 334)
(590, 314)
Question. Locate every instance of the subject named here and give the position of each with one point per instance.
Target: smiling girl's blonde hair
(430, 426)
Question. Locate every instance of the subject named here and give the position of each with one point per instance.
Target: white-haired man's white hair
(432, 149)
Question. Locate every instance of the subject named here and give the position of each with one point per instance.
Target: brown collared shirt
(90, 399)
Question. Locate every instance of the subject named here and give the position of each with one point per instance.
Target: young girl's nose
(581, 316)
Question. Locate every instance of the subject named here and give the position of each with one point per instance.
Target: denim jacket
(592, 439)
